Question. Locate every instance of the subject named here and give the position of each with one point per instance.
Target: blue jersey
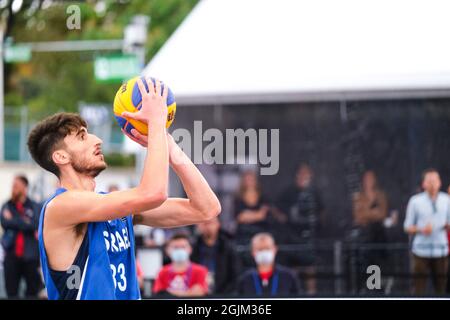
(104, 267)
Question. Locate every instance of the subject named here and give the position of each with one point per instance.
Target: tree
(55, 81)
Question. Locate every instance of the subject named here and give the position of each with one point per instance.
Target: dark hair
(427, 171)
(22, 178)
(48, 135)
(242, 188)
(178, 236)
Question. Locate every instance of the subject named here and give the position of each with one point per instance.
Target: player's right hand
(154, 105)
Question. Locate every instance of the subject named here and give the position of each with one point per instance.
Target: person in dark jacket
(268, 279)
(301, 211)
(213, 249)
(19, 218)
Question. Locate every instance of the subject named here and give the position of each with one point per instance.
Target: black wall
(398, 139)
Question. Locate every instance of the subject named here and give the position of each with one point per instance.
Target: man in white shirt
(427, 217)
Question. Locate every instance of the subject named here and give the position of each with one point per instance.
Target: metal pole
(23, 133)
(141, 154)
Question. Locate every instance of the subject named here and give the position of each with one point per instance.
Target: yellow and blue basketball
(128, 98)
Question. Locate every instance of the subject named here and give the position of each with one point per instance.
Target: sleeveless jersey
(104, 267)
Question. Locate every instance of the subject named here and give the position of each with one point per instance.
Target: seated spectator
(19, 218)
(268, 279)
(181, 278)
(300, 210)
(157, 237)
(370, 206)
(250, 208)
(213, 249)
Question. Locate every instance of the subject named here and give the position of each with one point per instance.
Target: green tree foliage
(55, 81)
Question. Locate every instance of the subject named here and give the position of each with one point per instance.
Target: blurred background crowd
(276, 248)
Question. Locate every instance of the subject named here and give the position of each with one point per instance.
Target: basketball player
(86, 238)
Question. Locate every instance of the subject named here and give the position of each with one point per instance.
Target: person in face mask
(181, 277)
(268, 279)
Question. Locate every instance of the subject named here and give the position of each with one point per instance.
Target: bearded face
(84, 153)
(19, 190)
(89, 165)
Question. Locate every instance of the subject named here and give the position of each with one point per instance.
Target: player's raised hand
(153, 110)
(137, 137)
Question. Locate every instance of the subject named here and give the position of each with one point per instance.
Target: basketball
(128, 98)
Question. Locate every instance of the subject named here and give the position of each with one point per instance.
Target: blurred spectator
(20, 219)
(370, 206)
(301, 210)
(250, 208)
(268, 279)
(370, 209)
(213, 249)
(181, 278)
(158, 237)
(113, 187)
(427, 216)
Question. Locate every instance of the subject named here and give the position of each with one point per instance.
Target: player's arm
(78, 206)
(201, 204)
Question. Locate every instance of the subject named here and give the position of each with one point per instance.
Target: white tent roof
(237, 51)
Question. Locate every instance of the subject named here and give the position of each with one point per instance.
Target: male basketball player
(86, 238)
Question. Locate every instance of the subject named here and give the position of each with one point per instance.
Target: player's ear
(60, 157)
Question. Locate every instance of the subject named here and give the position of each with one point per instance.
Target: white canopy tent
(257, 51)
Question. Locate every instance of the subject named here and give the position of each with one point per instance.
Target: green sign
(17, 53)
(116, 67)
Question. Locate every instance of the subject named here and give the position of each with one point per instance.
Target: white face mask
(265, 257)
(179, 255)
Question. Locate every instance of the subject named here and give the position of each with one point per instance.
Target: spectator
(427, 216)
(370, 206)
(370, 209)
(250, 208)
(181, 278)
(268, 279)
(113, 187)
(158, 237)
(213, 249)
(301, 210)
(20, 219)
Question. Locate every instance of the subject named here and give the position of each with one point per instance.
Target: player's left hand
(176, 155)
(137, 137)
